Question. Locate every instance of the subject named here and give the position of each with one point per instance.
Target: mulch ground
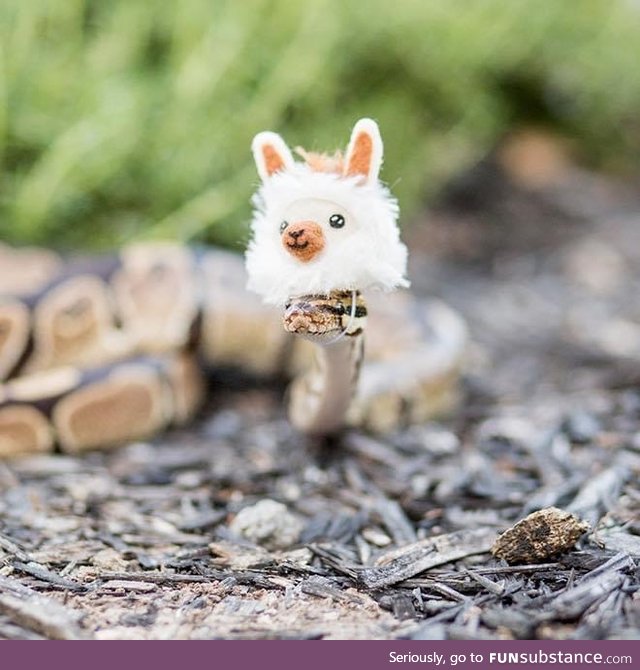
(373, 537)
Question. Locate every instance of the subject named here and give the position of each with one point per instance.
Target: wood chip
(618, 540)
(11, 547)
(39, 613)
(591, 499)
(539, 536)
(395, 521)
(40, 572)
(592, 588)
(129, 585)
(400, 564)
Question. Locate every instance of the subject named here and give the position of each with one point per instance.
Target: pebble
(267, 523)
(511, 429)
(433, 439)
(581, 427)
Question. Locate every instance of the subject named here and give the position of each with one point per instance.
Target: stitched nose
(304, 240)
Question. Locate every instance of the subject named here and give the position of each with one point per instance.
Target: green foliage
(133, 118)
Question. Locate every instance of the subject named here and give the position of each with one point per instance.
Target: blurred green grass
(133, 118)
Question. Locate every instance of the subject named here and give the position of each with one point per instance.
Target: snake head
(324, 318)
(311, 316)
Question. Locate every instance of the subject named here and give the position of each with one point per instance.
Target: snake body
(320, 397)
(100, 351)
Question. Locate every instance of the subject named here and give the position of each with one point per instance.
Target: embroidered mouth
(298, 245)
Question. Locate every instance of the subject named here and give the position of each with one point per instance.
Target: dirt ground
(238, 528)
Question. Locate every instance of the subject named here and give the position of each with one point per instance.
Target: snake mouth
(307, 317)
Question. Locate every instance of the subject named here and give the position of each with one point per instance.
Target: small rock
(268, 523)
(539, 536)
(433, 439)
(581, 427)
(596, 265)
(510, 430)
(376, 537)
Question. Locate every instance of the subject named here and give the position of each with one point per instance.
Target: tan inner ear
(360, 158)
(273, 161)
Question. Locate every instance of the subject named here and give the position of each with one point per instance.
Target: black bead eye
(283, 226)
(336, 221)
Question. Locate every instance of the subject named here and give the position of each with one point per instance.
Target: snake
(98, 351)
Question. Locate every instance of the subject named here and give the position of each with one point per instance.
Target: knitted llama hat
(325, 224)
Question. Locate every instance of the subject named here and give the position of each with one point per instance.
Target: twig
(39, 571)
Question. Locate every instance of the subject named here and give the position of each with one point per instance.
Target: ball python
(101, 350)
(324, 229)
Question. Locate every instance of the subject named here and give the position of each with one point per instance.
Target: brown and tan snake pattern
(96, 352)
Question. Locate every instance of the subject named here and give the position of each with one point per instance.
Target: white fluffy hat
(338, 201)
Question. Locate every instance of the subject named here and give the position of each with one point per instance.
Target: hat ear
(364, 153)
(271, 154)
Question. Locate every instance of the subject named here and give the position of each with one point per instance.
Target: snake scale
(98, 351)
